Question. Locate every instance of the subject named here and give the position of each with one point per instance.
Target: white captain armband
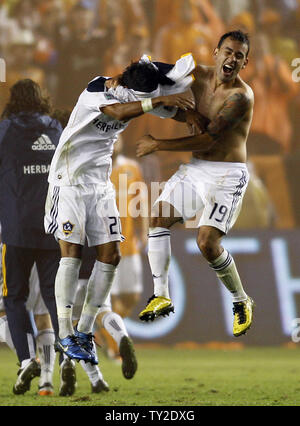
(147, 105)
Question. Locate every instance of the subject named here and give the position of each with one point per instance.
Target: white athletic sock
(159, 255)
(5, 335)
(45, 347)
(226, 270)
(65, 291)
(115, 326)
(98, 288)
(93, 372)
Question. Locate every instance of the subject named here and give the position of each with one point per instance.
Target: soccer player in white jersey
(81, 202)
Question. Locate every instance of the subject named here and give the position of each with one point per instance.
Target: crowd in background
(63, 44)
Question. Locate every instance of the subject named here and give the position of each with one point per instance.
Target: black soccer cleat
(25, 375)
(129, 361)
(100, 386)
(68, 382)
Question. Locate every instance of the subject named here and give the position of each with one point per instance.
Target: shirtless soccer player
(214, 181)
(81, 204)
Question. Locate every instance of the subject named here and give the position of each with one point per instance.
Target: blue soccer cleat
(86, 341)
(71, 347)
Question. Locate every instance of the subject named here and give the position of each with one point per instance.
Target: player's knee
(112, 258)
(162, 222)
(116, 258)
(156, 222)
(208, 247)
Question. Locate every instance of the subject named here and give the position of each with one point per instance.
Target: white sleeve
(95, 100)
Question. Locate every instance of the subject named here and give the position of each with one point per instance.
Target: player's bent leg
(115, 326)
(209, 242)
(122, 304)
(159, 255)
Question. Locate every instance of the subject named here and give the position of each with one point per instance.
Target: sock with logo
(65, 291)
(93, 372)
(225, 268)
(159, 255)
(98, 288)
(45, 346)
(115, 326)
(5, 335)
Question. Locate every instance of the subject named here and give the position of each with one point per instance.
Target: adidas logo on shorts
(43, 143)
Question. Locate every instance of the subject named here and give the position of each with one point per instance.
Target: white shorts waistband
(220, 164)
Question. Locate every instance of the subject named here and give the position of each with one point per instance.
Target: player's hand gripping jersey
(84, 152)
(81, 199)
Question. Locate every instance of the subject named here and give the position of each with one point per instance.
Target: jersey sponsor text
(35, 169)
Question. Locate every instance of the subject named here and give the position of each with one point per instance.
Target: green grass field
(169, 376)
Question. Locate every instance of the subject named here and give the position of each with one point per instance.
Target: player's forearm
(191, 143)
(129, 110)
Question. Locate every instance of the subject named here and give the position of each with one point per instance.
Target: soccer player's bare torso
(224, 103)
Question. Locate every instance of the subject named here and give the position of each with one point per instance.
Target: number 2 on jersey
(116, 222)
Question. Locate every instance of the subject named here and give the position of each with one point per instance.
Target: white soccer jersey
(83, 155)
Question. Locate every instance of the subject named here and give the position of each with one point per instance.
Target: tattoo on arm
(232, 112)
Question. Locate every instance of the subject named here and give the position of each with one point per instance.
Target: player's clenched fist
(146, 145)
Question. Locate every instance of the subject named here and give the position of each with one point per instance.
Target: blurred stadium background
(62, 44)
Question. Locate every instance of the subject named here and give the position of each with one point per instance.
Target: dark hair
(26, 96)
(143, 77)
(236, 35)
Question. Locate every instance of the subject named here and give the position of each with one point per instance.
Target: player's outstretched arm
(148, 144)
(129, 110)
(233, 111)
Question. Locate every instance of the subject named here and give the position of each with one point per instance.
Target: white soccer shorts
(74, 213)
(211, 191)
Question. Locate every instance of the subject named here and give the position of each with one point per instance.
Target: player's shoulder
(95, 93)
(244, 90)
(97, 84)
(242, 95)
(202, 74)
(203, 71)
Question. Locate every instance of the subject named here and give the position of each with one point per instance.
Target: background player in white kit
(81, 203)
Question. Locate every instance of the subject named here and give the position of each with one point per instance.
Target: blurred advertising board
(268, 263)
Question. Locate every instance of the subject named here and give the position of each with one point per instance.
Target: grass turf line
(246, 377)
